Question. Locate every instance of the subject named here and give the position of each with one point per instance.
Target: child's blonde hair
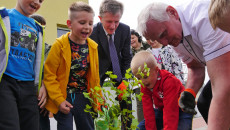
(77, 7)
(217, 10)
(141, 58)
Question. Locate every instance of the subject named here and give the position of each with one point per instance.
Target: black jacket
(122, 40)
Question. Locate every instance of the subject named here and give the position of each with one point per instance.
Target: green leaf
(86, 94)
(128, 70)
(139, 96)
(92, 90)
(128, 76)
(126, 83)
(108, 92)
(88, 106)
(108, 72)
(97, 88)
(112, 76)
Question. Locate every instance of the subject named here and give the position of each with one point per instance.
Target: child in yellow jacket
(72, 68)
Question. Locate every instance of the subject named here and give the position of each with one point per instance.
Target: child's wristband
(191, 91)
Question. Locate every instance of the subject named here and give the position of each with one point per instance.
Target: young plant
(108, 117)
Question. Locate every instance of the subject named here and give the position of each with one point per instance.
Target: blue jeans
(83, 120)
(185, 121)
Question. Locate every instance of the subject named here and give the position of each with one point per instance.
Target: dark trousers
(140, 114)
(204, 101)
(19, 105)
(44, 121)
(83, 120)
(126, 119)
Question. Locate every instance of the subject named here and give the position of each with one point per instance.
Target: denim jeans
(185, 121)
(83, 120)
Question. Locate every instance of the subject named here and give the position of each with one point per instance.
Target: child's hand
(65, 107)
(42, 96)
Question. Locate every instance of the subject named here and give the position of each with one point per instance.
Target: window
(62, 29)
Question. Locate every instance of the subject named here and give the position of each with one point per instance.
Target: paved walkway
(199, 124)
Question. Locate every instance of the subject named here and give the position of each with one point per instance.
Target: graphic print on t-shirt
(26, 38)
(158, 59)
(79, 65)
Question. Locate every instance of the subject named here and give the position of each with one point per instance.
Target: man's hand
(65, 107)
(187, 101)
(42, 96)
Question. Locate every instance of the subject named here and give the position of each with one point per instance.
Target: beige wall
(54, 11)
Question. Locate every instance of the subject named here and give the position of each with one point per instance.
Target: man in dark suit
(108, 30)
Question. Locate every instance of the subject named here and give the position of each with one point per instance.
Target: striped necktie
(114, 59)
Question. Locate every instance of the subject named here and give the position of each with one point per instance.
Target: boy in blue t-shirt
(21, 56)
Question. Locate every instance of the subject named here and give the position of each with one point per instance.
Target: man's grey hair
(154, 11)
(111, 6)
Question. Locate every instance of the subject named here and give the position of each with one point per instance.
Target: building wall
(54, 11)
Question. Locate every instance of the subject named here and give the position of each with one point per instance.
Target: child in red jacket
(161, 91)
